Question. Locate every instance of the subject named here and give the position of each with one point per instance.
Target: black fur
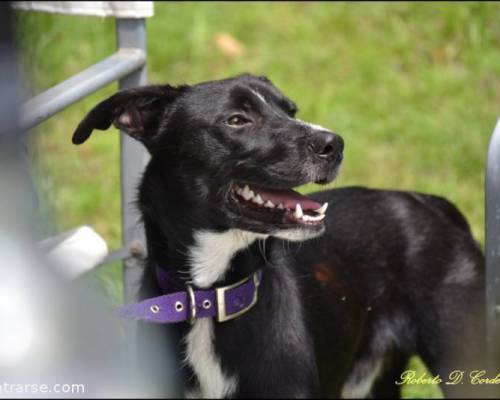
(394, 274)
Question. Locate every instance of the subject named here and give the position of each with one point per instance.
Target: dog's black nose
(326, 145)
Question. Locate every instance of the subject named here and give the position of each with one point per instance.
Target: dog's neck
(215, 258)
(189, 242)
(211, 255)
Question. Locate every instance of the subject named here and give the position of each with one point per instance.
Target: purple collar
(224, 303)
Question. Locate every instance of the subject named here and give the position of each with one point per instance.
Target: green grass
(414, 89)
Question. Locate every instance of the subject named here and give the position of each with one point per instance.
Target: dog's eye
(237, 120)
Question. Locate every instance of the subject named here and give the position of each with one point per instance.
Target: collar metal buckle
(192, 305)
(222, 315)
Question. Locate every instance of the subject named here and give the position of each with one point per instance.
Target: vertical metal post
(131, 33)
(18, 201)
(492, 188)
(133, 158)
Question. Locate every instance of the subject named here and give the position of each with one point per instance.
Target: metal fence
(128, 66)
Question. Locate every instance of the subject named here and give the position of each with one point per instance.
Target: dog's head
(238, 146)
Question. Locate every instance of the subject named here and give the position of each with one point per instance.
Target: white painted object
(76, 252)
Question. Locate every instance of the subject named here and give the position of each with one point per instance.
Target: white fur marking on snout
(211, 255)
(200, 355)
(314, 127)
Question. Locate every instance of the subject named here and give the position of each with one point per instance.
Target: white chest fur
(200, 355)
(210, 259)
(211, 255)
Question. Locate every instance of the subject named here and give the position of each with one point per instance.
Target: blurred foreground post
(55, 331)
(492, 187)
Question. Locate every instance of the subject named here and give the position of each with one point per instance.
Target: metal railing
(122, 63)
(492, 250)
(128, 66)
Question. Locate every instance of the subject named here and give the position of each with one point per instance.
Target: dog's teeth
(319, 217)
(314, 218)
(257, 199)
(247, 193)
(322, 209)
(298, 211)
(280, 206)
(269, 204)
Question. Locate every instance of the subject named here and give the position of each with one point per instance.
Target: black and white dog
(346, 294)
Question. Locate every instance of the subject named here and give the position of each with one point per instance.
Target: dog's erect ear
(137, 112)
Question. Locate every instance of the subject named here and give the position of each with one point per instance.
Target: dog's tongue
(288, 197)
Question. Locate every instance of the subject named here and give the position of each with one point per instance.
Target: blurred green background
(414, 89)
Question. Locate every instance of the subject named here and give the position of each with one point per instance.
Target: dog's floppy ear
(137, 112)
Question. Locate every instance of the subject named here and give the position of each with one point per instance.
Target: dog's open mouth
(282, 206)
